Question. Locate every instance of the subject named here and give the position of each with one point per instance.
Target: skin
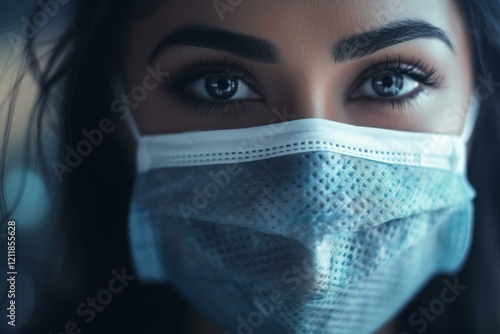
(309, 83)
(306, 80)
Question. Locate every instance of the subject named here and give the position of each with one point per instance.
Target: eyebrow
(206, 36)
(262, 51)
(366, 43)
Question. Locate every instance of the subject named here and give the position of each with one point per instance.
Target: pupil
(387, 81)
(223, 84)
(388, 84)
(221, 87)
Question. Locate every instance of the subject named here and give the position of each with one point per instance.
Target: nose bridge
(309, 93)
(307, 98)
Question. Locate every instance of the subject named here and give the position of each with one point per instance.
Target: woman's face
(236, 63)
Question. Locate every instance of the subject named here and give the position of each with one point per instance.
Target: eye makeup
(423, 74)
(390, 70)
(176, 86)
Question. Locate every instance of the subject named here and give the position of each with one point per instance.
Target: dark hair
(92, 200)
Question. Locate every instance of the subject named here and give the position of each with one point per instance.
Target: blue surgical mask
(306, 226)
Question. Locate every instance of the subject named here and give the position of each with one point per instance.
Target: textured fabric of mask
(308, 226)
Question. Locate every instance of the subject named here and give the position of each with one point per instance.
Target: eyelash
(417, 70)
(175, 85)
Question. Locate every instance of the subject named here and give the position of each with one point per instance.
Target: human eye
(396, 82)
(221, 87)
(214, 88)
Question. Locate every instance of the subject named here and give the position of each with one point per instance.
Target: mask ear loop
(470, 119)
(118, 89)
(129, 120)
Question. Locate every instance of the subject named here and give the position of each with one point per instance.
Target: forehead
(261, 15)
(292, 25)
